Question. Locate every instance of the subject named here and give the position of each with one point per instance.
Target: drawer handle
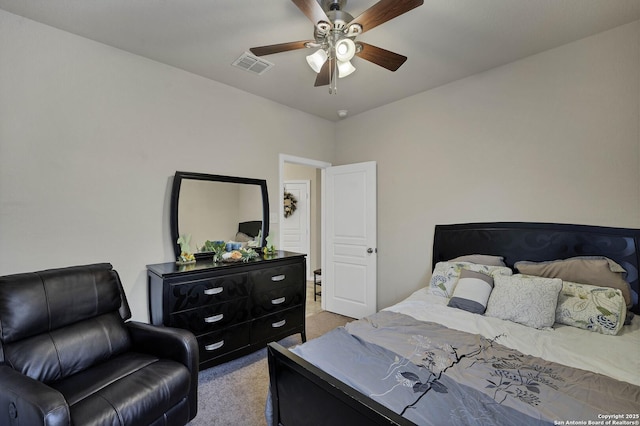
(278, 277)
(214, 318)
(279, 323)
(212, 291)
(214, 346)
(278, 301)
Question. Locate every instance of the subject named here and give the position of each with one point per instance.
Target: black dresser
(232, 308)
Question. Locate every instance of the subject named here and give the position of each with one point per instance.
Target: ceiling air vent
(251, 63)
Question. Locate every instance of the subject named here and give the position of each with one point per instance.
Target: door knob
(369, 250)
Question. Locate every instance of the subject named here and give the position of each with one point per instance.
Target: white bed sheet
(614, 356)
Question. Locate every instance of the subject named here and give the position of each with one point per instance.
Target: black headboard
(542, 241)
(251, 228)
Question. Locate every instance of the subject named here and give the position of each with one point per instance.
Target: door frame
(285, 158)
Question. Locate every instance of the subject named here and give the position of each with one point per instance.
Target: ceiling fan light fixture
(345, 49)
(353, 30)
(317, 60)
(345, 68)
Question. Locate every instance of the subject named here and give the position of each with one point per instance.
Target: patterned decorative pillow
(593, 270)
(530, 301)
(472, 292)
(445, 275)
(599, 309)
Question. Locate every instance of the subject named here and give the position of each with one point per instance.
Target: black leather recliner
(68, 355)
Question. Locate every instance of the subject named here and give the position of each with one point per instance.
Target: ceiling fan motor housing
(328, 5)
(339, 18)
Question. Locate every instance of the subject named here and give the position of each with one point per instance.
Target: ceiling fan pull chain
(333, 87)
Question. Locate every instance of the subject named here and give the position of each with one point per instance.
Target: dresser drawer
(212, 317)
(280, 322)
(221, 342)
(276, 299)
(277, 277)
(194, 294)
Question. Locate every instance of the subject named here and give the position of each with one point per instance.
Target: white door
(295, 227)
(349, 274)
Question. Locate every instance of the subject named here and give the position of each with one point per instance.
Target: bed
(251, 228)
(423, 361)
(248, 233)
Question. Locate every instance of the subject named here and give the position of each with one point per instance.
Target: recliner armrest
(165, 342)
(170, 343)
(25, 401)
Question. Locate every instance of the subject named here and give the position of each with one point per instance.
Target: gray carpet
(234, 393)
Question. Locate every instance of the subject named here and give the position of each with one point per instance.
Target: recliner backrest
(58, 322)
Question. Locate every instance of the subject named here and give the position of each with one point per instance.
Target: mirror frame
(175, 197)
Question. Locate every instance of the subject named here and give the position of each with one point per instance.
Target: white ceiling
(445, 40)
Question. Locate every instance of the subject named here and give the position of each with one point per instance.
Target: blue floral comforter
(434, 375)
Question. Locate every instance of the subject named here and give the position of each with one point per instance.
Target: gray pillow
(592, 270)
(241, 237)
(481, 259)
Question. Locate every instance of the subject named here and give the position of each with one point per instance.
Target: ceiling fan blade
(313, 10)
(384, 11)
(324, 76)
(380, 56)
(281, 47)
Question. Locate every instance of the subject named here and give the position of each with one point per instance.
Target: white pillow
(527, 300)
(472, 292)
(445, 275)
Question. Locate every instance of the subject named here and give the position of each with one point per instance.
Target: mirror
(216, 207)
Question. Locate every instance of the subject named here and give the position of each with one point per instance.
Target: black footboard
(302, 394)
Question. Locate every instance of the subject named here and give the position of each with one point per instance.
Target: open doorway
(344, 237)
(296, 228)
(303, 169)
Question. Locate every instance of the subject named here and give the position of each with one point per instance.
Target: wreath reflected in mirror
(290, 204)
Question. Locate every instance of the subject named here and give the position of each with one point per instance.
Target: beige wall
(552, 138)
(90, 137)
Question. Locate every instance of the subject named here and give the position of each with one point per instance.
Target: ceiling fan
(335, 33)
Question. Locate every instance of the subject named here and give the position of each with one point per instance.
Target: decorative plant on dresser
(232, 308)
